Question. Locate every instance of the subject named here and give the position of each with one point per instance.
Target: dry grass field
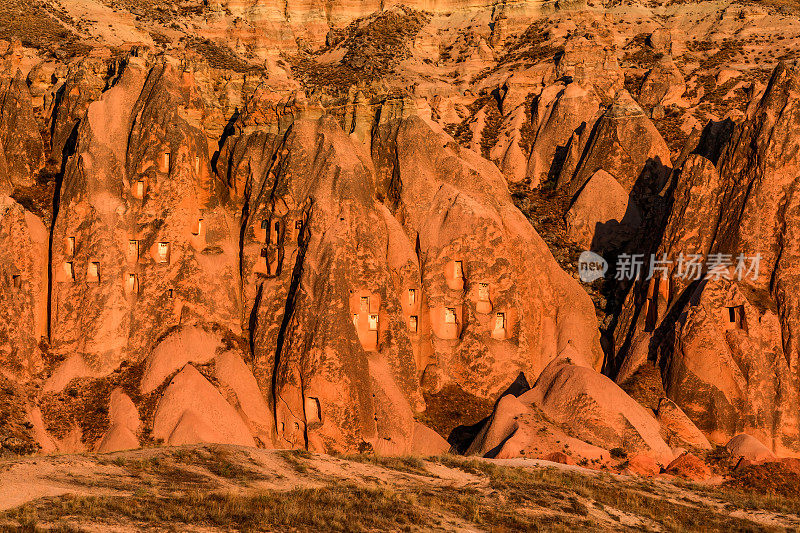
(224, 488)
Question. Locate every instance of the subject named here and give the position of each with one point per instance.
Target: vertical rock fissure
(303, 406)
(227, 132)
(288, 314)
(242, 232)
(252, 322)
(67, 152)
(145, 96)
(396, 184)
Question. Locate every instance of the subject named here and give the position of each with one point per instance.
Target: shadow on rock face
(462, 436)
(614, 234)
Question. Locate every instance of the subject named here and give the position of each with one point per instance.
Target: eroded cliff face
(350, 273)
(348, 227)
(138, 212)
(24, 294)
(266, 27)
(725, 344)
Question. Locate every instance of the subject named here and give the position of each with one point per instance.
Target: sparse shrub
(374, 47)
(407, 464)
(298, 460)
(618, 453)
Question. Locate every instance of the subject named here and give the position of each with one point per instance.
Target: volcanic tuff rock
(313, 226)
(689, 466)
(595, 410)
(574, 410)
(680, 430)
(147, 265)
(749, 448)
(725, 344)
(560, 112)
(124, 423)
(641, 465)
(626, 145)
(23, 300)
(21, 149)
(603, 215)
(517, 429)
(664, 85)
(139, 231)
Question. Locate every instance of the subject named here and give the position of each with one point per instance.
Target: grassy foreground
(220, 488)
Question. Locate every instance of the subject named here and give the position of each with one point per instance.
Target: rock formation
(626, 145)
(724, 343)
(575, 410)
(21, 149)
(147, 266)
(603, 215)
(349, 227)
(23, 300)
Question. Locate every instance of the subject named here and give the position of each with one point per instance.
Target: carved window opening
(69, 271)
(93, 272)
(458, 269)
(454, 275)
(412, 296)
(298, 231)
(170, 293)
(70, 246)
(313, 411)
(355, 319)
(16, 281)
(500, 322)
(483, 292)
(133, 250)
(365, 304)
(132, 284)
(198, 229)
(197, 164)
(272, 260)
(139, 189)
(449, 315)
(275, 232)
(262, 235)
(413, 324)
(165, 161)
(373, 322)
(163, 252)
(736, 316)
